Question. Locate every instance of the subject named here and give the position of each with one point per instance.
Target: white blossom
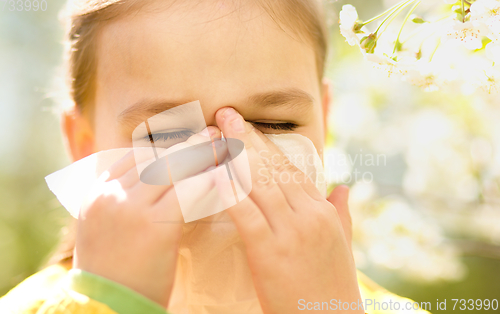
(488, 13)
(381, 61)
(348, 22)
(423, 75)
(469, 33)
(446, 52)
(491, 81)
(480, 75)
(442, 154)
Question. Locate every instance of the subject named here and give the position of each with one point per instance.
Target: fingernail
(237, 125)
(212, 131)
(205, 133)
(229, 112)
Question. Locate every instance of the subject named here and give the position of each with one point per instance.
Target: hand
(295, 242)
(339, 199)
(117, 237)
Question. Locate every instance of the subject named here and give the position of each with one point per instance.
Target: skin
(222, 56)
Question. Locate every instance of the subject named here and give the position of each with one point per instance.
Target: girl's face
(213, 52)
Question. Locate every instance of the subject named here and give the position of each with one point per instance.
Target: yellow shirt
(50, 292)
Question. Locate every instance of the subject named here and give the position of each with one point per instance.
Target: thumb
(339, 198)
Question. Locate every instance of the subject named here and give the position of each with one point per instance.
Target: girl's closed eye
(273, 127)
(174, 137)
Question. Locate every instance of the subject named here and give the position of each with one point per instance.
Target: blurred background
(424, 168)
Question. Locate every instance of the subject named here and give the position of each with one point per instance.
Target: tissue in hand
(72, 184)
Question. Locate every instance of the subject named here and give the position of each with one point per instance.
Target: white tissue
(72, 184)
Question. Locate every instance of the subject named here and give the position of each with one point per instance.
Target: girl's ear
(78, 133)
(326, 99)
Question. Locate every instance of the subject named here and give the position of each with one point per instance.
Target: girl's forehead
(200, 52)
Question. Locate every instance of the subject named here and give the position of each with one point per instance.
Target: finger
(249, 220)
(209, 134)
(122, 166)
(154, 152)
(265, 193)
(339, 198)
(167, 209)
(129, 179)
(139, 155)
(202, 150)
(158, 177)
(187, 202)
(296, 186)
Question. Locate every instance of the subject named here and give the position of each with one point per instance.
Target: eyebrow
(139, 112)
(289, 98)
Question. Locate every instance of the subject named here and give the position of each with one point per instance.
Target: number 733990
(23, 5)
(477, 304)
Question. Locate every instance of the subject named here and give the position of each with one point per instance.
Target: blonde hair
(84, 18)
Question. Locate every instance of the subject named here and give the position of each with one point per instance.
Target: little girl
(256, 66)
